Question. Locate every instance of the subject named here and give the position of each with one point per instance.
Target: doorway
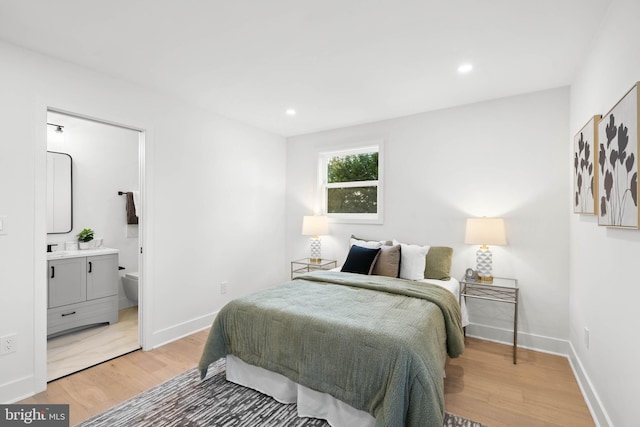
(106, 180)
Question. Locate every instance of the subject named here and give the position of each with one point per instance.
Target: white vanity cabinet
(82, 288)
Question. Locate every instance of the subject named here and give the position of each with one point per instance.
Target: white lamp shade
(485, 231)
(315, 225)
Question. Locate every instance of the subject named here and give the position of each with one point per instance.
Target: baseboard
(598, 413)
(22, 388)
(525, 340)
(181, 330)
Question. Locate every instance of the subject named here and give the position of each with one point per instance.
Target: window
(351, 184)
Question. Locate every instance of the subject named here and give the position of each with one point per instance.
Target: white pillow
(371, 244)
(413, 260)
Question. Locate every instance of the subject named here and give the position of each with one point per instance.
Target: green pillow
(438, 263)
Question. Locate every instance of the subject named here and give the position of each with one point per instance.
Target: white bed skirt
(310, 403)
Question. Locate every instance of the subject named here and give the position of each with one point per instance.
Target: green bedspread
(376, 343)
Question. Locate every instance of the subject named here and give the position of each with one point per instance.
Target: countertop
(81, 253)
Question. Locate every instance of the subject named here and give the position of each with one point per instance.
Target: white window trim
(323, 186)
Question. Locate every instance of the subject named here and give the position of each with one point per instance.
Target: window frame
(323, 185)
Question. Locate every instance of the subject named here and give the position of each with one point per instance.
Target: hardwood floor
(482, 384)
(78, 350)
(541, 390)
(98, 388)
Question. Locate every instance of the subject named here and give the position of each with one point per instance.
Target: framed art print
(618, 164)
(585, 160)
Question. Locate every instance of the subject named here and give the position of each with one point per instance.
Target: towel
(132, 217)
(136, 201)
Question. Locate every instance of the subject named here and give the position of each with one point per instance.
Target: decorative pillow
(413, 261)
(368, 243)
(388, 263)
(360, 260)
(438, 263)
(371, 244)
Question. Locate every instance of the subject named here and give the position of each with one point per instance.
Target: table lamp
(315, 226)
(485, 231)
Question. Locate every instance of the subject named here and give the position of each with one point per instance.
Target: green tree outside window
(353, 168)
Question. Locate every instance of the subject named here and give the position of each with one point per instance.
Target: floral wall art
(618, 164)
(585, 160)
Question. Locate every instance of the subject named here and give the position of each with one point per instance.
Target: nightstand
(501, 290)
(305, 265)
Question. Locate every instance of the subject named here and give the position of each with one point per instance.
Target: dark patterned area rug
(185, 401)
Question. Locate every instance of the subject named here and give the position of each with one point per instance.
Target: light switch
(3, 225)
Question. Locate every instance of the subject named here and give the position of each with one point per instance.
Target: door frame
(40, 236)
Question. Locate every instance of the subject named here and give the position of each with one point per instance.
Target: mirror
(59, 193)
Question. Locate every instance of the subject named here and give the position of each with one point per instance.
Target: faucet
(50, 246)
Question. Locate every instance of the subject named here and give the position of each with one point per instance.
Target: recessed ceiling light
(465, 68)
(290, 112)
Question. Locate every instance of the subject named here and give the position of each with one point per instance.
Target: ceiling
(336, 62)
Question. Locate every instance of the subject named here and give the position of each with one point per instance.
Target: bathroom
(104, 163)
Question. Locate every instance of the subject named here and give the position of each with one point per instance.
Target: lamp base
(484, 261)
(315, 249)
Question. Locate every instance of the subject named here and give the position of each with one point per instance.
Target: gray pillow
(388, 263)
(382, 242)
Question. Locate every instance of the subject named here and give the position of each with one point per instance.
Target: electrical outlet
(8, 344)
(586, 337)
(223, 287)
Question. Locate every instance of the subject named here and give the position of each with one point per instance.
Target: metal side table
(501, 290)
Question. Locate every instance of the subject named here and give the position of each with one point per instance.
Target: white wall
(213, 206)
(105, 161)
(500, 158)
(604, 291)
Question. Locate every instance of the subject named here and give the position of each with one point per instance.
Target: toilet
(130, 285)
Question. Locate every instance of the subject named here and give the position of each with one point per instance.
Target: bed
(354, 349)
(364, 345)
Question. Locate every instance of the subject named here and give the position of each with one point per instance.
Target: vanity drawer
(71, 316)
